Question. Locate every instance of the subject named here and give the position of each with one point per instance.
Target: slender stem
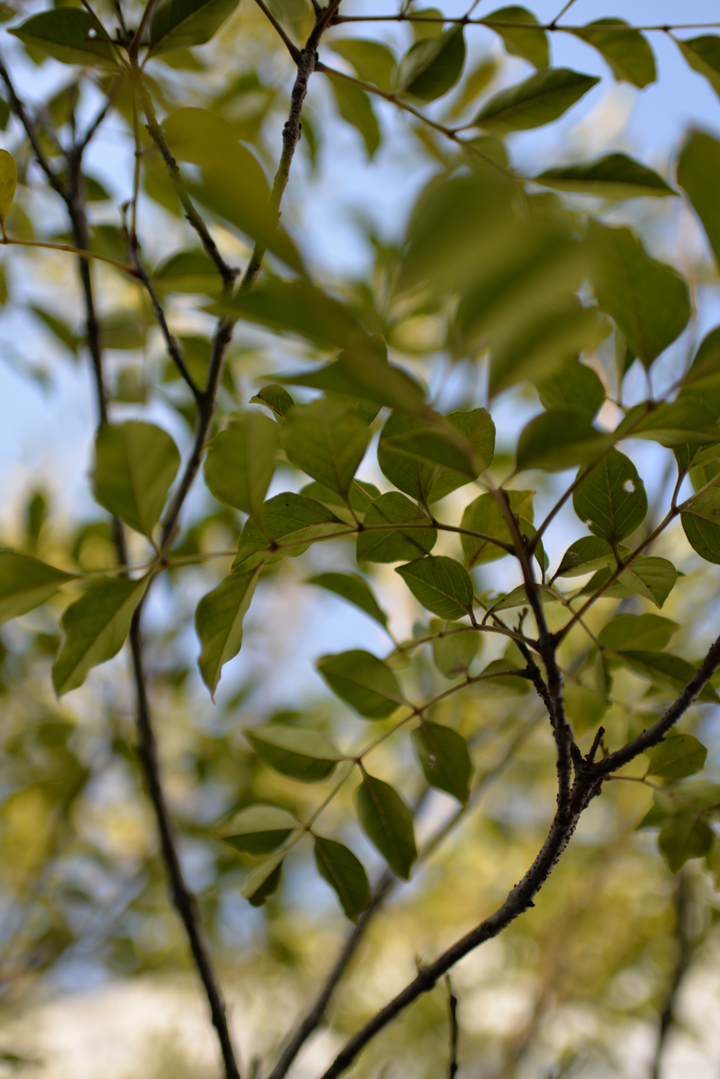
(289, 45)
(8, 241)
(453, 1024)
(501, 24)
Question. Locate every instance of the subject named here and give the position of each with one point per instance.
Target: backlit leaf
(241, 460)
(377, 543)
(611, 500)
(485, 515)
(697, 168)
(626, 51)
(276, 398)
(95, 627)
(637, 631)
(683, 837)
(454, 651)
(670, 674)
(373, 60)
(613, 176)
(445, 759)
(294, 751)
(134, 467)
(648, 576)
(363, 681)
(677, 756)
(537, 101)
(25, 583)
(557, 439)
(440, 584)
(573, 386)
(701, 524)
(218, 621)
(585, 556)
(532, 45)
(647, 299)
(387, 821)
(259, 829)
(327, 440)
(68, 34)
(703, 56)
(355, 108)
(345, 874)
(353, 588)
(181, 24)
(433, 65)
(290, 520)
(8, 182)
(264, 880)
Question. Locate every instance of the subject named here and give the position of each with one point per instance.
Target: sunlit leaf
(25, 583)
(8, 182)
(241, 460)
(626, 51)
(259, 829)
(445, 759)
(440, 584)
(485, 515)
(327, 440)
(677, 756)
(294, 751)
(637, 631)
(134, 467)
(181, 24)
(219, 623)
(353, 588)
(95, 627)
(263, 881)
(387, 821)
(377, 543)
(363, 681)
(537, 101)
(531, 44)
(613, 176)
(345, 874)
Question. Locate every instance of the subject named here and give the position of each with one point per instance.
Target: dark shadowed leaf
(241, 460)
(276, 398)
(697, 169)
(353, 588)
(259, 829)
(670, 674)
(363, 681)
(294, 751)
(445, 759)
(387, 821)
(263, 881)
(363, 371)
(64, 34)
(573, 386)
(683, 837)
(345, 874)
(135, 465)
(613, 176)
(537, 101)
(95, 628)
(181, 24)
(612, 500)
(377, 543)
(677, 756)
(557, 439)
(626, 51)
(453, 653)
(703, 56)
(485, 515)
(701, 524)
(585, 556)
(25, 583)
(433, 65)
(440, 584)
(218, 621)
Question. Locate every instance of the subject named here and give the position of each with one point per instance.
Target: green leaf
(294, 751)
(698, 166)
(685, 420)
(64, 33)
(440, 584)
(218, 621)
(455, 648)
(518, 598)
(444, 758)
(345, 874)
(648, 576)
(274, 397)
(241, 460)
(484, 515)
(532, 45)
(388, 823)
(573, 386)
(363, 681)
(613, 176)
(632, 631)
(626, 51)
(585, 707)
(8, 183)
(355, 108)
(188, 271)
(25, 583)
(701, 524)
(182, 24)
(557, 439)
(289, 519)
(300, 308)
(498, 686)
(670, 674)
(703, 56)
(373, 61)
(134, 467)
(677, 756)
(263, 881)
(363, 371)
(353, 588)
(394, 545)
(648, 300)
(612, 499)
(683, 837)
(537, 101)
(585, 556)
(433, 65)
(704, 372)
(361, 496)
(95, 628)
(327, 440)
(259, 829)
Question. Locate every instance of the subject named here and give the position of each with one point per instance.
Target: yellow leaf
(8, 181)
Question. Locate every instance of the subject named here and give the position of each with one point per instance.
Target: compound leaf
(294, 751)
(363, 681)
(537, 101)
(445, 759)
(345, 874)
(259, 829)
(388, 823)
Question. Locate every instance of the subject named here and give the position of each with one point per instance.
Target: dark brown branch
(453, 1023)
(183, 898)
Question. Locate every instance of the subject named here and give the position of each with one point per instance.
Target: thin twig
(289, 45)
(453, 1025)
